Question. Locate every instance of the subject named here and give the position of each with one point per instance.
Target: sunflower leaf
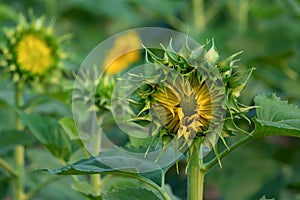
(276, 117)
(265, 198)
(11, 138)
(131, 194)
(49, 133)
(85, 189)
(115, 162)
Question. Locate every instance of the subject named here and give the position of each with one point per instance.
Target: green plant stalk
(19, 152)
(195, 174)
(96, 178)
(199, 15)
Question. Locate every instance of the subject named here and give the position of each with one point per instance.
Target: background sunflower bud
(31, 50)
(93, 90)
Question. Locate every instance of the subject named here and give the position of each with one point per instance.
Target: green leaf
(68, 125)
(139, 143)
(69, 128)
(85, 189)
(117, 163)
(276, 117)
(36, 101)
(47, 131)
(58, 188)
(7, 12)
(131, 194)
(272, 187)
(113, 161)
(115, 183)
(264, 198)
(168, 189)
(4, 184)
(275, 112)
(12, 138)
(37, 158)
(4, 104)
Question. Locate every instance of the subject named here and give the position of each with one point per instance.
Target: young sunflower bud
(31, 50)
(189, 91)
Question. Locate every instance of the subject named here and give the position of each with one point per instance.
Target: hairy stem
(195, 172)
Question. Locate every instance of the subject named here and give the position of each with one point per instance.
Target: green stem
(19, 150)
(18, 185)
(215, 161)
(96, 183)
(7, 167)
(199, 15)
(195, 173)
(96, 178)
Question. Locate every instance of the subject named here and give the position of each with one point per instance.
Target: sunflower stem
(96, 182)
(96, 178)
(195, 174)
(19, 152)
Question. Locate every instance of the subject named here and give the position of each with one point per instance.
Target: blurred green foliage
(268, 31)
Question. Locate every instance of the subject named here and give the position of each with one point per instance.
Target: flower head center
(33, 55)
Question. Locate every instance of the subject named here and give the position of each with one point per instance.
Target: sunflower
(32, 50)
(191, 93)
(124, 53)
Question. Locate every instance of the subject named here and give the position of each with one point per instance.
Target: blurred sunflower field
(44, 43)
